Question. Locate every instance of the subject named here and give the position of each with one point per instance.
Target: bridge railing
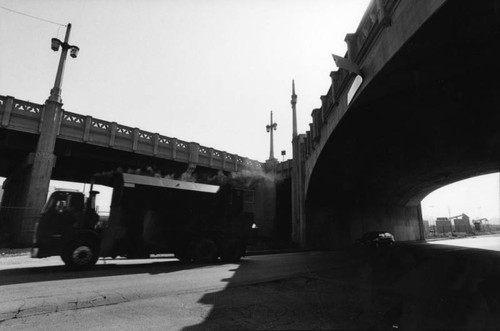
(26, 116)
(20, 115)
(334, 102)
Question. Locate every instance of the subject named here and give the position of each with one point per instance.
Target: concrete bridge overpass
(94, 144)
(84, 146)
(426, 114)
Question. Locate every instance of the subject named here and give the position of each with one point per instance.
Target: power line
(31, 16)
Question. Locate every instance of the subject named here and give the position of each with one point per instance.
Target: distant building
(443, 225)
(462, 223)
(481, 225)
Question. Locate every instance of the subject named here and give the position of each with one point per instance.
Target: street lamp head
(55, 43)
(74, 51)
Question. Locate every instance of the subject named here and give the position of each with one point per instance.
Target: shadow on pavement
(408, 287)
(111, 268)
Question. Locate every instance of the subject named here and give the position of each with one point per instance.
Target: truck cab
(65, 219)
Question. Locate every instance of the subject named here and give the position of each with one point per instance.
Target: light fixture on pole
(270, 128)
(55, 93)
(56, 43)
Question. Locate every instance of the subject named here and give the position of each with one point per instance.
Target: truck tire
(205, 251)
(232, 251)
(80, 256)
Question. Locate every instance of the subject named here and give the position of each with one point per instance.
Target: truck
(148, 215)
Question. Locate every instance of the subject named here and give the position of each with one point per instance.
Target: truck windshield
(61, 201)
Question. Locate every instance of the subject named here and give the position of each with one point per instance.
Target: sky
(198, 70)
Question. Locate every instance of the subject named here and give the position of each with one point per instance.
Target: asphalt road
(484, 242)
(125, 294)
(409, 287)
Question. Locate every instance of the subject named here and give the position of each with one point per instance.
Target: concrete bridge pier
(404, 222)
(13, 206)
(338, 224)
(27, 188)
(327, 227)
(38, 180)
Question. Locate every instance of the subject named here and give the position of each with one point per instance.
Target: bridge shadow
(408, 287)
(108, 269)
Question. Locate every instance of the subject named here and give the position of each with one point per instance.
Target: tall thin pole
(273, 125)
(55, 93)
(298, 194)
(270, 128)
(44, 159)
(294, 110)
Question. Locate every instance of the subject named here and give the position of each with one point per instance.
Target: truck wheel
(205, 251)
(232, 251)
(80, 256)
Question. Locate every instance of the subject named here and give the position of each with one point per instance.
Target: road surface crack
(15, 314)
(19, 309)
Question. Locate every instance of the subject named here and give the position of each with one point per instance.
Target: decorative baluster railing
(377, 16)
(21, 115)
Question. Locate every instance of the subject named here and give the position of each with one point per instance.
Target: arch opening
(468, 207)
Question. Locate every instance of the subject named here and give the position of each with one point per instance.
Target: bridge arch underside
(429, 118)
(77, 162)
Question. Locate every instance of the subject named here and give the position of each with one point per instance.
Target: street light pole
(43, 160)
(55, 93)
(270, 128)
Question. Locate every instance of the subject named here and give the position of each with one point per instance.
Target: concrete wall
(283, 220)
(15, 229)
(340, 224)
(402, 222)
(265, 207)
(273, 207)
